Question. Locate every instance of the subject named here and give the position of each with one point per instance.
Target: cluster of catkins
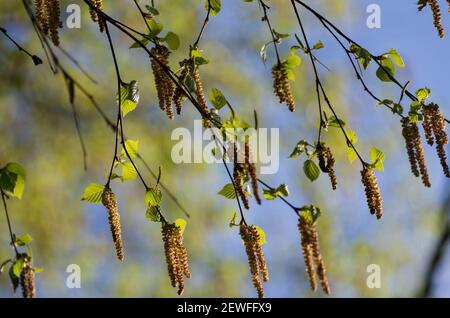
(27, 277)
(326, 163)
(176, 255)
(168, 94)
(314, 263)
(282, 87)
(245, 169)
(256, 258)
(436, 11)
(95, 17)
(110, 203)
(415, 151)
(434, 127)
(372, 190)
(48, 16)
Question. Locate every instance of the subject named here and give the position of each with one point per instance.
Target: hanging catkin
(256, 259)
(201, 99)
(48, 16)
(97, 18)
(326, 163)
(238, 171)
(110, 203)
(373, 194)
(282, 87)
(163, 83)
(436, 10)
(314, 263)
(415, 151)
(436, 126)
(27, 279)
(42, 15)
(176, 255)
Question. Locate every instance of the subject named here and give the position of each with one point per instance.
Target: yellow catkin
(326, 163)
(415, 150)
(251, 169)
(307, 252)
(262, 264)
(373, 194)
(318, 260)
(248, 239)
(178, 93)
(163, 83)
(176, 256)
(42, 14)
(96, 18)
(27, 279)
(282, 87)
(427, 124)
(237, 176)
(201, 99)
(110, 203)
(436, 10)
(438, 126)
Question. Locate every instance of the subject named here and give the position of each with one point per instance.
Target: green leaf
(216, 6)
(300, 148)
(93, 193)
(310, 213)
(152, 214)
(233, 219)
(281, 191)
(262, 235)
(319, 45)
(311, 170)
(129, 97)
(155, 28)
(152, 10)
(388, 67)
(128, 171)
(422, 94)
(334, 122)
(279, 36)
(228, 191)
(395, 56)
(351, 154)
(172, 40)
(352, 136)
(217, 98)
(198, 58)
(377, 157)
(23, 240)
(181, 223)
(17, 267)
(12, 179)
(153, 197)
(132, 147)
(363, 55)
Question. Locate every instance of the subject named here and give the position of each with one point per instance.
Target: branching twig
(35, 58)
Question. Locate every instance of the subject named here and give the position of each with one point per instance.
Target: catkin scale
(163, 83)
(110, 203)
(27, 279)
(251, 171)
(436, 123)
(201, 99)
(326, 163)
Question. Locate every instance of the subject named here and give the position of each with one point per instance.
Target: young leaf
(23, 240)
(181, 223)
(233, 219)
(217, 98)
(152, 214)
(422, 94)
(198, 58)
(17, 267)
(262, 235)
(12, 179)
(311, 170)
(155, 27)
(310, 213)
(388, 68)
(93, 193)
(377, 157)
(128, 171)
(132, 148)
(172, 40)
(319, 45)
(14, 279)
(281, 191)
(228, 191)
(216, 6)
(299, 149)
(153, 197)
(395, 56)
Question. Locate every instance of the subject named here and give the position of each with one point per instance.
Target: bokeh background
(37, 130)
